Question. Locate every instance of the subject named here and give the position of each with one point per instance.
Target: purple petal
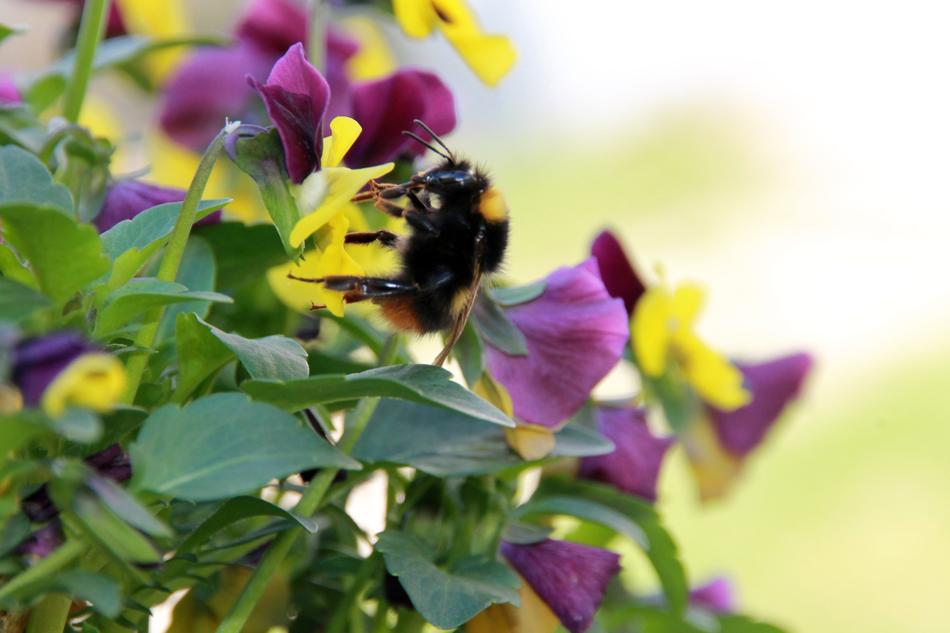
(208, 88)
(569, 577)
(8, 89)
(575, 334)
(616, 270)
(125, 199)
(115, 25)
(296, 97)
(43, 542)
(386, 107)
(37, 361)
(112, 462)
(717, 595)
(273, 26)
(773, 384)
(635, 464)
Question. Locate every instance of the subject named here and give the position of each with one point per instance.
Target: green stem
(50, 615)
(309, 503)
(171, 260)
(61, 557)
(346, 607)
(91, 29)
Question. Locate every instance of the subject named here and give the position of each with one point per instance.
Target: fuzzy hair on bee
(458, 233)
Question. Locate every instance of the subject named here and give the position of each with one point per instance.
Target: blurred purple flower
(575, 334)
(570, 578)
(388, 106)
(718, 595)
(272, 26)
(296, 97)
(773, 385)
(125, 199)
(616, 270)
(115, 25)
(635, 464)
(42, 542)
(8, 90)
(37, 361)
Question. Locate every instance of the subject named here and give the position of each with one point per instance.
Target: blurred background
(793, 158)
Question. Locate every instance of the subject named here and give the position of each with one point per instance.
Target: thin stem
(50, 615)
(347, 607)
(309, 503)
(91, 29)
(171, 260)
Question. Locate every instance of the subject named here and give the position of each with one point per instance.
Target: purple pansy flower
(634, 465)
(718, 595)
(37, 361)
(575, 334)
(773, 385)
(296, 97)
(43, 542)
(388, 106)
(620, 278)
(272, 26)
(8, 90)
(570, 578)
(125, 199)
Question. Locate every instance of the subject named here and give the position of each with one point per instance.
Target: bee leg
(373, 287)
(386, 238)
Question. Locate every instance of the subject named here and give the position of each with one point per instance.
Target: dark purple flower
(207, 88)
(8, 90)
(616, 270)
(115, 24)
(388, 106)
(718, 595)
(635, 464)
(575, 334)
(112, 462)
(273, 26)
(37, 361)
(570, 578)
(773, 385)
(125, 199)
(43, 542)
(296, 97)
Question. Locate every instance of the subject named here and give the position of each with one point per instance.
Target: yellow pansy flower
(93, 380)
(662, 333)
(489, 56)
(160, 20)
(533, 616)
(530, 441)
(374, 59)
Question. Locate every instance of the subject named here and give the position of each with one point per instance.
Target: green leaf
(243, 253)
(78, 425)
(424, 384)
(17, 302)
(468, 353)
(99, 590)
(141, 295)
(65, 255)
(508, 297)
(131, 243)
(679, 403)
(262, 158)
(12, 268)
(234, 510)
(197, 272)
(24, 179)
(224, 445)
(623, 513)
(12, 532)
(6, 30)
(203, 349)
(448, 443)
(44, 92)
(651, 619)
(126, 506)
(446, 598)
(111, 532)
(496, 329)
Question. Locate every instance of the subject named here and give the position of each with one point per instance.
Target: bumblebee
(458, 233)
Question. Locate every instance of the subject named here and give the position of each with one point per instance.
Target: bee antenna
(435, 137)
(422, 142)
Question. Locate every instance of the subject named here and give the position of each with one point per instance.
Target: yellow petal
(374, 59)
(489, 56)
(688, 300)
(95, 381)
(417, 18)
(714, 469)
(336, 261)
(11, 400)
(159, 20)
(533, 616)
(456, 15)
(650, 331)
(530, 441)
(494, 392)
(376, 260)
(714, 378)
(343, 133)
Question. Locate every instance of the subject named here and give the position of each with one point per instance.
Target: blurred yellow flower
(533, 616)
(95, 381)
(713, 468)
(530, 441)
(662, 330)
(489, 56)
(159, 20)
(374, 59)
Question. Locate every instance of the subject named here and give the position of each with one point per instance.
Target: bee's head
(452, 178)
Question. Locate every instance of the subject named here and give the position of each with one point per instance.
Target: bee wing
(460, 321)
